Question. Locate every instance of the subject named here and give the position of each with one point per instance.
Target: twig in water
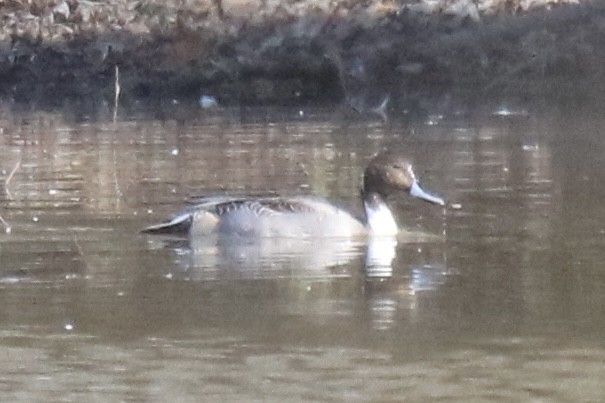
(9, 177)
(78, 247)
(116, 93)
(81, 252)
(115, 116)
(7, 228)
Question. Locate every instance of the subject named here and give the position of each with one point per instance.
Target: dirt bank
(265, 51)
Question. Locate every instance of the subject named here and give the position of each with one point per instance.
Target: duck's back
(291, 217)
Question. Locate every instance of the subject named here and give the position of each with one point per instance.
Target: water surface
(501, 297)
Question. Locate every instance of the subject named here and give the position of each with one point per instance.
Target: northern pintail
(303, 216)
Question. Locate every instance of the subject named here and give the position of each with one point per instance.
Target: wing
(211, 210)
(181, 223)
(270, 206)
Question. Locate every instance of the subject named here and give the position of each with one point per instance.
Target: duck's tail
(178, 225)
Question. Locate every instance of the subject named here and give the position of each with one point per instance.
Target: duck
(304, 216)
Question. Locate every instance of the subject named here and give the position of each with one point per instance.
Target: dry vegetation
(250, 51)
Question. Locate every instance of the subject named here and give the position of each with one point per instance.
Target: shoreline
(307, 52)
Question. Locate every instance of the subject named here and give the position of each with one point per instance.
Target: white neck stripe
(380, 219)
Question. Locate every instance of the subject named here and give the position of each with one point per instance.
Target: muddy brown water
(500, 296)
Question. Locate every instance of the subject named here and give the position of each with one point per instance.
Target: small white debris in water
(419, 250)
(69, 326)
(120, 293)
(505, 169)
(301, 113)
(503, 111)
(175, 102)
(52, 191)
(168, 276)
(149, 211)
(456, 206)
(308, 288)
(35, 218)
(8, 230)
(434, 120)
(531, 147)
(9, 280)
(175, 151)
(207, 101)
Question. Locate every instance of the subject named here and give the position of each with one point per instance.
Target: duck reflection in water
(301, 230)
